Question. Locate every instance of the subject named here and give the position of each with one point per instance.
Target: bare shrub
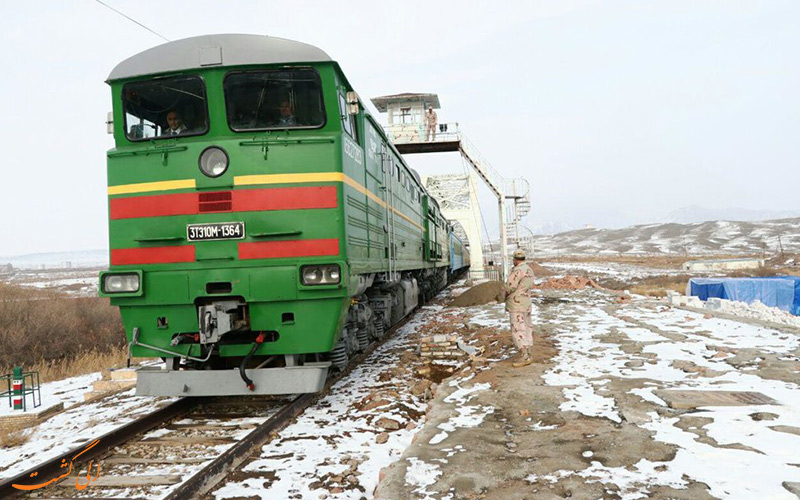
(82, 363)
(51, 332)
(10, 438)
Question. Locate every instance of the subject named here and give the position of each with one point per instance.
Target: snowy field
(681, 350)
(611, 366)
(702, 238)
(624, 272)
(69, 392)
(75, 427)
(81, 282)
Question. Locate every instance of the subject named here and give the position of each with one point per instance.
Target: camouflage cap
(519, 254)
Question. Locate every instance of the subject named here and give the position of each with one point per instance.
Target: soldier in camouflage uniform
(431, 120)
(518, 304)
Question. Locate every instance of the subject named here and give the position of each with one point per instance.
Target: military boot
(524, 359)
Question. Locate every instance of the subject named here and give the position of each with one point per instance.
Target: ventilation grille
(215, 202)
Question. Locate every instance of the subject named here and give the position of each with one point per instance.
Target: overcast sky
(618, 112)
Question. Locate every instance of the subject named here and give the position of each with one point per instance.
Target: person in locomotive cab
(286, 116)
(516, 293)
(431, 120)
(174, 123)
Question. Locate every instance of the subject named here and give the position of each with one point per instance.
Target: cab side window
(348, 120)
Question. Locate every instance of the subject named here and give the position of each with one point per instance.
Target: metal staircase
(408, 140)
(518, 190)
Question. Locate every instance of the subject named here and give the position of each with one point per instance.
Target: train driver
(286, 116)
(175, 124)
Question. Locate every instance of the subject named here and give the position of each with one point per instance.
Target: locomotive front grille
(215, 202)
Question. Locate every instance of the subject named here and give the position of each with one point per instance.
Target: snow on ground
(467, 415)
(420, 475)
(59, 260)
(334, 448)
(74, 282)
(590, 354)
(755, 310)
(75, 427)
(704, 238)
(68, 391)
(609, 269)
(491, 315)
(233, 430)
(337, 448)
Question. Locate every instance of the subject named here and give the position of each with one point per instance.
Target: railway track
(193, 443)
(189, 443)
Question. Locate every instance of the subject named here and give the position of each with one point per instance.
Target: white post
(503, 238)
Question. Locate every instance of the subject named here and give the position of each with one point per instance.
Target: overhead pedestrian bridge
(407, 130)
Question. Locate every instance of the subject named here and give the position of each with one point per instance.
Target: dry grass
(790, 271)
(659, 285)
(10, 438)
(81, 364)
(57, 335)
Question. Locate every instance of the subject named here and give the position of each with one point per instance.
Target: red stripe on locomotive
(299, 198)
(292, 248)
(153, 206)
(152, 255)
(250, 200)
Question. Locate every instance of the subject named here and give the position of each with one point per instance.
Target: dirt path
(585, 421)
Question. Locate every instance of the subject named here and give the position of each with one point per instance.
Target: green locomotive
(262, 227)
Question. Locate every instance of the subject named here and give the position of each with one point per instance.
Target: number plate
(217, 231)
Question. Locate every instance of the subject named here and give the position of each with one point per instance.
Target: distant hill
(549, 227)
(694, 213)
(77, 259)
(716, 237)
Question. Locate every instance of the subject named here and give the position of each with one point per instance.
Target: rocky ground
(611, 409)
(628, 398)
(588, 421)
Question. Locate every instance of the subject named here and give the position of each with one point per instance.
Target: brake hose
(247, 380)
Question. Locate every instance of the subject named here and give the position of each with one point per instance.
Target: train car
(262, 227)
(459, 256)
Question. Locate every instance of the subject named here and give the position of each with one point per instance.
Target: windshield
(166, 107)
(274, 99)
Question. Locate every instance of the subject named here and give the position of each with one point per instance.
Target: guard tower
(406, 115)
(406, 130)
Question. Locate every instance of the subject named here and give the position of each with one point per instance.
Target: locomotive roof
(216, 50)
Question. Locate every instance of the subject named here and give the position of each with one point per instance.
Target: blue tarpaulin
(782, 292)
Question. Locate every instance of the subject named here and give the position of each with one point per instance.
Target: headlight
(213, 161)
(312, 275)
(329, 274)
(120, 283)
(332, 274)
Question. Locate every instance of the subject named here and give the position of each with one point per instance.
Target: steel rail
(211, 475)
(108, 441)
(219, 468)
